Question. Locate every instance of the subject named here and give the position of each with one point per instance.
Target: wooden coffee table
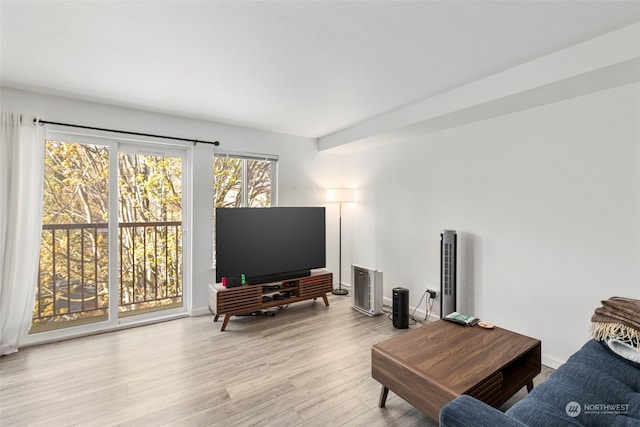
(432, 365)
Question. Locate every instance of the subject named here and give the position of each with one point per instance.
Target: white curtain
(21, 178)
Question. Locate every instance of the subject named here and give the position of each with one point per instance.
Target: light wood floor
(309, 365)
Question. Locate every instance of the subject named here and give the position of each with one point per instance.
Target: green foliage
(228, 186)
(228, 182)
(76, 183)
(258, 183)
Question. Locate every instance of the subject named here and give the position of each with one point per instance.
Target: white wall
(303, 172)
(545, 202)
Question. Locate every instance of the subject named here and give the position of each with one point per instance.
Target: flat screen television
(269, 244)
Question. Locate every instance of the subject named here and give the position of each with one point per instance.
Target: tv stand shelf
(247, 299)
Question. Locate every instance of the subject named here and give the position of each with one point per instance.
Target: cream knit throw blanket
(617, 323)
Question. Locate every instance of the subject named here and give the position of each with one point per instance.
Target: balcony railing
(73, 279)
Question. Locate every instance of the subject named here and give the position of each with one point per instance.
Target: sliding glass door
(112, 235)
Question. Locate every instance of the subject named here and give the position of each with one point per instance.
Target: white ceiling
(308, 68)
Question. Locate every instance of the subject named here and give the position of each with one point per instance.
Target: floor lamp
(340, 195)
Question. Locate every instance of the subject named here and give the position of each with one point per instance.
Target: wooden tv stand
(248, 298)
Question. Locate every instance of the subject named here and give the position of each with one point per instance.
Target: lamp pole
(340, 195)
(340, 291)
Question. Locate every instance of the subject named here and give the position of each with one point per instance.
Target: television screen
(269, 244)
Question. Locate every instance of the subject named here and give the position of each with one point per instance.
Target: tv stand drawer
(315, 286)
(240, 299)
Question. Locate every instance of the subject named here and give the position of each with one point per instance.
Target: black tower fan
(401, 308)
(448, 249)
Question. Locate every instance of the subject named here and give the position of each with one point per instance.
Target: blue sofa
(595, 387)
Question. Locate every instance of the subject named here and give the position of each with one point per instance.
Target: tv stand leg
(326, 301)
(225, 321)
(217, 316)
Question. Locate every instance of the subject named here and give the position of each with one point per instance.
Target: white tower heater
(366, 292)
(448, 249)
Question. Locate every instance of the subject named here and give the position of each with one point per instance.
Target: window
(242, 181)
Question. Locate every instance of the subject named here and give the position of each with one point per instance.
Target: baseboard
(419, 314)
(199, 311)
(552, 362)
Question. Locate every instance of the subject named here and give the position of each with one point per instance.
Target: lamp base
(340, 291)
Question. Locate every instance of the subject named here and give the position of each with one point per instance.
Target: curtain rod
(195, 141)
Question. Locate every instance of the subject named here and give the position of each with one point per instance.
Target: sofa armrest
(466, 411)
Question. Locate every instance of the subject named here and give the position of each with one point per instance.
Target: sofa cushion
(466, 411)
(601, 388)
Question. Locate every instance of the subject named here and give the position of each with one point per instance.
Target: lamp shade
(341, 195)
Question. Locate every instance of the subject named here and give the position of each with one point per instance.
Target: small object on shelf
(461, 319)
(486, 325)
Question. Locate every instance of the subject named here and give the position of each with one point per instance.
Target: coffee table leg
(383, 396)
(529, 386)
